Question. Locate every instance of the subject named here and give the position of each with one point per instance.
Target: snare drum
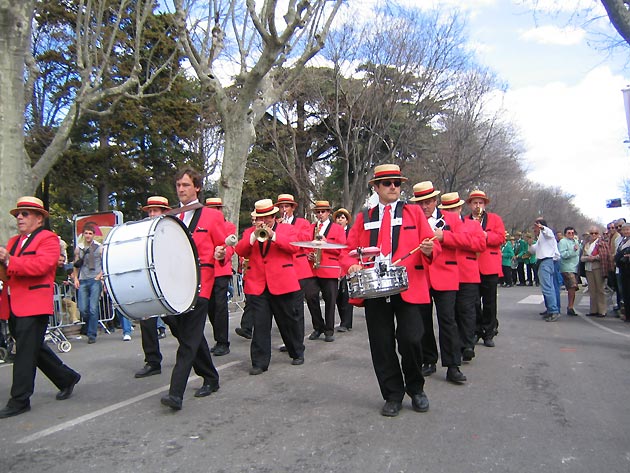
(370, 283)
(150, 268)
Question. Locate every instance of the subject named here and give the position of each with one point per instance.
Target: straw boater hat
(477, 194)
(214, 202)
(29, 203)
(423, 190)
(387, 171)
(264, 207)
(286, 199)
(322, 205)
(156, 202)
(344, 212)
(450, 200)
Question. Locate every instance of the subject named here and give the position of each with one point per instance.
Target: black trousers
(193, 348)
(218, 309)
(328, 288)
(466, 313)
(450, 349)
(247, 319)
(32, 353)
(520, 269)
(150, 342)
(487, 323)
(266, 307)
(392, 324)
(344, 307)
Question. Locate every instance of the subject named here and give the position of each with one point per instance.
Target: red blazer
(224, 267)
(273, 266)
(31, 276)
(468, 241)
(334, 233)
(413, 231)
(490, 259)
(303, 231)
(208, 230)
(443, 272)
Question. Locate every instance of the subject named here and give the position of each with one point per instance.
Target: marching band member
(208, 234)
(325, 263)
(343, 218)
(443, 283)
(30, 261)
(218, 305)
(489, 265)
(400, 230)
(468, 241)
(271, 285)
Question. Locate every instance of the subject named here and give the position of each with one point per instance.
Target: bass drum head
(175, 262)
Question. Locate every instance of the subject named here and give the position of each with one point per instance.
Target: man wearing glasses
(394, 323)
(546, 248)
(30, 260)
(327, 270)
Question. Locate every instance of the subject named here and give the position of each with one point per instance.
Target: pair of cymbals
(318, 245)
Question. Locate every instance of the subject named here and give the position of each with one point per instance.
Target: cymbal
(368, 251)
(318, 244)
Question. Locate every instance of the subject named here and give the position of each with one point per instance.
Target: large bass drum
(372, 282)
(150, 268)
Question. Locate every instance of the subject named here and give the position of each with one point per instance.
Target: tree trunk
(15, 41)
(619, 15)
(239, 138)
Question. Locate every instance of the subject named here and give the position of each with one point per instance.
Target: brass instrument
(318, 254)
(285, 217)
(262, 234)
(478, 213)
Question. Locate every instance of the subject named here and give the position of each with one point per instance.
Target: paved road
(551, 397)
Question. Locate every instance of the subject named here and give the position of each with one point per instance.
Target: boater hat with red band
(264, 207)
(286, 199)
(29, 203)
(450, 200)
(387, 171)
(214, 202)
(477, 194)
(156, 201)
(423, 190)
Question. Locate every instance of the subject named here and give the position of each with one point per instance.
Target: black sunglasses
(23, 213)
(389, 183)
(321, 211)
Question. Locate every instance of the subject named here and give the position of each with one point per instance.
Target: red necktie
(385, 233)
(181, 216)
(319, 229)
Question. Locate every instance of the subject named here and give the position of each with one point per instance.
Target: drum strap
(375, 217)
(194, 221)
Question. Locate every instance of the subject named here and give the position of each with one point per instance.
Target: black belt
(543, 259)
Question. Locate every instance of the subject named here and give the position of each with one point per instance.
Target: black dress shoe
(221, 349)
(298, 361)
(454, 375)
(420, 402)
(283, 348)
(391, 408)
(428, 369)
(206, 390)
(342, 329)
(173, 402)
(255, 370)
(543, 313)
(241, 332)
(329, 338)
(315, 334)
(10, 411)
(148, 370)
(488, 342)
(468, 354)
(66, 392)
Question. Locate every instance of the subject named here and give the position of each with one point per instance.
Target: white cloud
(574, 138)
(550, 34)
(561, 6)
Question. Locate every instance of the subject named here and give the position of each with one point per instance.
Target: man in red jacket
(401, 231)
(208, 234)
(30, 259)
(469, 241)
(326, 269)
(218, 306)
(271, 285)
(443, 283)
(489, 265)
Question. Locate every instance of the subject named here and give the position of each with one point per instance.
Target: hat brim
(387, 178)
(157, 206)
(424, 197)
(452, 206)
(321, 208)
(290, 202)
(15, 212)
(275, 210)
(469, 200)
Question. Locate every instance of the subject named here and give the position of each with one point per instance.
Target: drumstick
(412, 252)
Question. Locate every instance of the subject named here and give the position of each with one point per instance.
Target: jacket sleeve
(46, 254)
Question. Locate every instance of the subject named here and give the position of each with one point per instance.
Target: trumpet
(262, 234)
(477, 213)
